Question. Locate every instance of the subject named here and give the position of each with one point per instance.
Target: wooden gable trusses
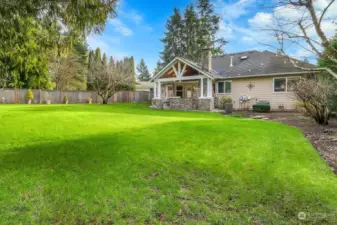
(180, 71)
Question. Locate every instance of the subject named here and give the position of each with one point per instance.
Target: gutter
(263, 75)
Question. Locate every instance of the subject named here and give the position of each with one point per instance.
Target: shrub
(261, 107)
(225, 99)
(316, 96)
(29, 95)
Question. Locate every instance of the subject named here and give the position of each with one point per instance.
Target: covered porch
(182, 86)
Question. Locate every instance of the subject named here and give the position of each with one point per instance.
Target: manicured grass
(123, 163)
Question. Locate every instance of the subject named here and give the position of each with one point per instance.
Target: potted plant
(29, 96)
(89, 100)
(226, 103)
(66, 100)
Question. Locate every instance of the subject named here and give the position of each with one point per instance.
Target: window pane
(291, 82)
(228, 87)
(179, 91)
(280, 85)
(221, 88)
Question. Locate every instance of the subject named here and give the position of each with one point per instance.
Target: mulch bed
(323, 138)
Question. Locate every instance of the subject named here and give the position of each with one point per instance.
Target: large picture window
(284, 84)
(224, 87)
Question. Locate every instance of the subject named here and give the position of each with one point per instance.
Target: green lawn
(128, 164)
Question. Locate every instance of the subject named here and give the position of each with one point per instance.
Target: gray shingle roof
(257, 63)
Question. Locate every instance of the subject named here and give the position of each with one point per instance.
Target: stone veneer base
(201, 104)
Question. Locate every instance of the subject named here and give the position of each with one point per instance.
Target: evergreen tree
(81, 49)
(133, 73)
(104, 60)
(209, 26)
(173, 40)
(98, 55)
(192, 48)
(143, 71)
(190, 36)
(31, 29)
(91, 59)
(159, 67)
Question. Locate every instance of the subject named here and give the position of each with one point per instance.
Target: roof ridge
(235, 53)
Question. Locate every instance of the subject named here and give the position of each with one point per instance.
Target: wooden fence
(12, 96)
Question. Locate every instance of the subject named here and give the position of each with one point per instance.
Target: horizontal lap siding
(263, 90)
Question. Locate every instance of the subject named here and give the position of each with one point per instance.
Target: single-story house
(246, 77)
(144, 86)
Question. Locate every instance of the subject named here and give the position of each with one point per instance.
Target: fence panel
(7, 96)
(11, 96)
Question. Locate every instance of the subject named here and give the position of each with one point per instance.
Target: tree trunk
(105, 101)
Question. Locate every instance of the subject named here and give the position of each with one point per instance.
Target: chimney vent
(231, 65)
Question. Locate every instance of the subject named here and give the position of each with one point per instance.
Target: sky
(140, 25)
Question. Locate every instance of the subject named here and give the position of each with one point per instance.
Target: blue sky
(140, 24)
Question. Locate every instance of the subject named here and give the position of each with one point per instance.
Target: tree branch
(324, 11)
(307, 39)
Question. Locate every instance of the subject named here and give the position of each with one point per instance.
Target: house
(144, 86)
(246, 77)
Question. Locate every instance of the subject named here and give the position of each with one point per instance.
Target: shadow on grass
(144, 175)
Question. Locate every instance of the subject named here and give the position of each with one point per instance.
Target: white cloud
(135, 17)
(125, 12)
(233, 11)
(225, 31)
(261, 19)
(121, 28)
(302, 54)
(289, 16)
(95, 41)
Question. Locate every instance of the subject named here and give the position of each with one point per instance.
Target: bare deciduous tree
(304, 30)
(67, 72)
(316, 97)
(108, 79)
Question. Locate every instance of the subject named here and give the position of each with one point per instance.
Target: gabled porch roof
(179, 66)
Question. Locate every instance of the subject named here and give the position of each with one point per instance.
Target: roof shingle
(257, 63)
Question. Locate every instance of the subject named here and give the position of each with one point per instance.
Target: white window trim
(223, 81)
(286, 87)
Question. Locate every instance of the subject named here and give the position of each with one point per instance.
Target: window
(228, 87)
(290, 82)
(224, 87)
(284, 84)
(280, 84)
(221, 87)
(179, 91)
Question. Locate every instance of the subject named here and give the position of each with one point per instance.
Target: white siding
(262, 90)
